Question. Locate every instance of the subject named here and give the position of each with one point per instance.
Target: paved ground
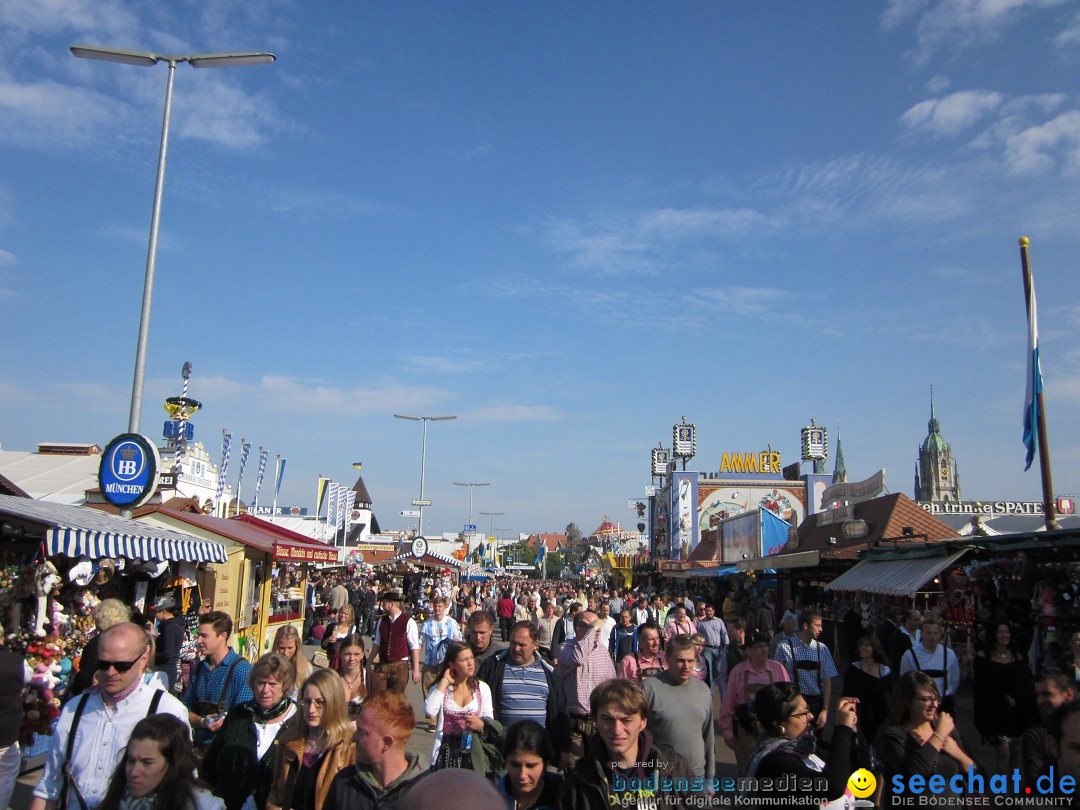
(423, 740)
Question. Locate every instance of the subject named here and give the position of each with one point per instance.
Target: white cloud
(498, 412)
(464, 364)
(106, 18)
(1038, 149)
(1070, 35)
(958, 23)
(646, 242)
(46, 114)
(7, 258)
(953, 113)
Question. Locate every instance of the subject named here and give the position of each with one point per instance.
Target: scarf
(274, 712)
(803, 747)
(129, 802)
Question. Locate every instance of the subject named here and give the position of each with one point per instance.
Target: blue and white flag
(226, 444)
(332, 503)
(279, 473)
(263, 454)
(543, 551)
(1034, 381)
(345, 505)
(245, 448)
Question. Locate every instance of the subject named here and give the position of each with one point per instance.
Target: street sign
(409, 513)
(421, 502)
(470, 527)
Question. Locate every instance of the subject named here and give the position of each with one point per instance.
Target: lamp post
(491, 531)
(205, 60)
(423, 459)
(472, 486)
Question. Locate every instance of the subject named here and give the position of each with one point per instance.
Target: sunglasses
(119, 666)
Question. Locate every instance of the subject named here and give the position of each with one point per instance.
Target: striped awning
(76, 531)
(893, 577)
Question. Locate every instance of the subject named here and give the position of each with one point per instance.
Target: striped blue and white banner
(99, 545)
(226, 445)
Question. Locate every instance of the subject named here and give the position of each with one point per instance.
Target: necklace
(355, 678)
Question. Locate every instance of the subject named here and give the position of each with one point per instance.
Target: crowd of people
(589, 697)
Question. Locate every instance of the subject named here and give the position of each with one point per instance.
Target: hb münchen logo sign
(128, 474)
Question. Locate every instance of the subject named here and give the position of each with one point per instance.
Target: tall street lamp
(491, 531)
(471, 485)
(204, 60)
(421, 503)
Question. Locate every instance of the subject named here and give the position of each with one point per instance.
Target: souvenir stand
(59, 562)
(422, 577)
(262, 582)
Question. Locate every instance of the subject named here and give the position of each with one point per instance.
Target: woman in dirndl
(461, 704)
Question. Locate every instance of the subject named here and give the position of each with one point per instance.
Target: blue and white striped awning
(76, 531)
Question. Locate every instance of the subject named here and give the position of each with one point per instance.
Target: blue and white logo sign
(128, 474)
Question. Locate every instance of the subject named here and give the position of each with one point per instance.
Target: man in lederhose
(219, 680)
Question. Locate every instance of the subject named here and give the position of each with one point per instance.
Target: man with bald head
(93, 730)
(584, 664)
(431, 792)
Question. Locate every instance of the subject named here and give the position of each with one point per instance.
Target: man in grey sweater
(680, 708)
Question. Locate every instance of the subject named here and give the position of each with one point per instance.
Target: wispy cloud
(1054, 144)
(465, 363)
(293, 395)
(503, 412)
(1069, 36)
(49, 115)
(958, 23)
(953, 113)
(644, 242)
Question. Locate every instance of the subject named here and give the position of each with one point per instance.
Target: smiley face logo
(862, 783)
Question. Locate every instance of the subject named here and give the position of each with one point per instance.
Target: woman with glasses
(788, 745)
(920, 740)
(157, 771)
(287, 645)
(239, 765)
(307, 764)
(461, 704)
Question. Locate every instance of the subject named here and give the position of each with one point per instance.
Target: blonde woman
(308, 763)
(287, 645)
(107, 613)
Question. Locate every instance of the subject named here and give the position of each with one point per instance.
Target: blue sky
(569, 224)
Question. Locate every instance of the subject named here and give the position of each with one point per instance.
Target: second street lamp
(423, 460)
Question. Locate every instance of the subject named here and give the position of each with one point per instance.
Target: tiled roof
(886, 518)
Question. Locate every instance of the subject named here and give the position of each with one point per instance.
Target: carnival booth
(261, 583)
(59, 562)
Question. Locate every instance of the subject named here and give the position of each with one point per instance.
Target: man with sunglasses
(93, 731)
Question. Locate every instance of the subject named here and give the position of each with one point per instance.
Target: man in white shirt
(435, 635)
(608, 623)
(106, 715)
(396, 644)
(937, 661)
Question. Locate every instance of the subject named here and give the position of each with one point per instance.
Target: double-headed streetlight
(491, 531)
(421, 503)
(204, 60)
(472, 485)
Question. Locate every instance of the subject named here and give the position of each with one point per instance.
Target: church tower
(936, 475)
(839, 473)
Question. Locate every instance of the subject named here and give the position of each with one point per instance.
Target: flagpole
(1044, 443)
